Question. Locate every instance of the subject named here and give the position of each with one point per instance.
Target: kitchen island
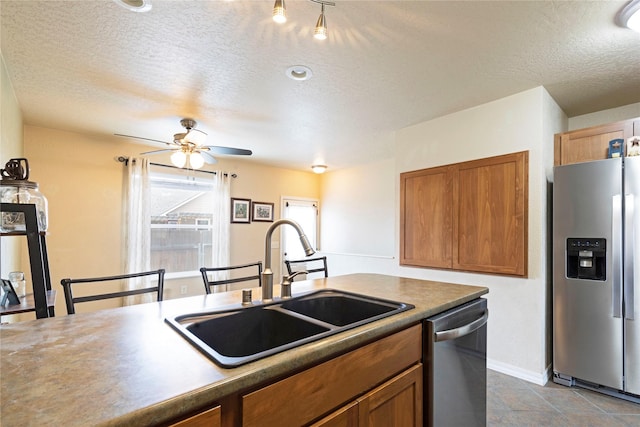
(126, 366)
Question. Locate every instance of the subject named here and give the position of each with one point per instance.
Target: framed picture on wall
(240, 211)
(262, 211)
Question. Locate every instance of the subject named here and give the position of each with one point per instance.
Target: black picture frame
(9, 293)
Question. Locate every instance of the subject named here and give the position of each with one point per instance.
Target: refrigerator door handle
(629, 246)
(616, 260)
(451, 334)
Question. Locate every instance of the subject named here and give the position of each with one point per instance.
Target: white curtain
(220, 227)
(137, 231)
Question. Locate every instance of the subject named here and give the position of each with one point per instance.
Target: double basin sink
(237, 336)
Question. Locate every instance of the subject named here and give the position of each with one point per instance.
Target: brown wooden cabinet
(207, 418)
(397, 402)
(584, 145)
(469, 216)
(354, 377)
(426, 219)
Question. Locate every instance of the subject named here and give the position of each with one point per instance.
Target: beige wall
(83, 183)
(519, 320)
(612, 115)
(10, 147)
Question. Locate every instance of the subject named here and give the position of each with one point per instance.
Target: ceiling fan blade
(208, 158)
(226, 150)
(195, 138)
(146, 139)
(166, 150)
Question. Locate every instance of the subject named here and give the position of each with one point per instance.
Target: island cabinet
(397, 402)
(584, 145)
(377, 384)
(208, 418)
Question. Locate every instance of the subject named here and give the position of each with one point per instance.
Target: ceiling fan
(188, 147)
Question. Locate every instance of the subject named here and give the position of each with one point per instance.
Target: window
(181, 220)
(305, 213)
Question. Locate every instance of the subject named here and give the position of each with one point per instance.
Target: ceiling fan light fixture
(629, 16)
(135, 5)
(195, 137)
(196, 160)
(179, 159)
(319, 168)
(279, 12)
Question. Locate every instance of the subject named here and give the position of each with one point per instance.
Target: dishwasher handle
(451, 334)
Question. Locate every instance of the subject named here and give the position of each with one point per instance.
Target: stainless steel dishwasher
(455, 383)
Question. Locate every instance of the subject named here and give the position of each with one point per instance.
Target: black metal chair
(310, 265)
(158, 289)
(252, 271)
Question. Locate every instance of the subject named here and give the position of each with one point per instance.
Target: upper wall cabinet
(592, 143)
(469, 216)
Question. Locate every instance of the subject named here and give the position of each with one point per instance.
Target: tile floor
(518, 403)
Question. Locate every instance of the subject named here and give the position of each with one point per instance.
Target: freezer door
(587, 314)
(632, 274)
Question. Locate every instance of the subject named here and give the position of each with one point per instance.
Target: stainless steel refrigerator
(596, 276)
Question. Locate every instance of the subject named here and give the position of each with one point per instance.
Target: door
(587, 313)
(632, 274)
(305, 213)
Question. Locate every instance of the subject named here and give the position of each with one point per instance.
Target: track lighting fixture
(279, 12)
(321, 26)
(320, 32)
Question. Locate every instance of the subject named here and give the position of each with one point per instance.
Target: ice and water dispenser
(586, 258)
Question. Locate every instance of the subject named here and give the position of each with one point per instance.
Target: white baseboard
(524, 374)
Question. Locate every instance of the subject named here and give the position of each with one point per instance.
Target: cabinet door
(308, 395)
(208, 418)
(398, 402)
(425, 217)
(589, 144)
(490, 227)
(346, 416)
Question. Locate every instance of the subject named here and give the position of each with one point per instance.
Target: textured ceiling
(95, 67)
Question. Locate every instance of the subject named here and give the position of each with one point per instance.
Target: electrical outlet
(183, 289)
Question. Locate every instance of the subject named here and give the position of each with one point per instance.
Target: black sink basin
(338, 309)
(240, 335)
(252, 331)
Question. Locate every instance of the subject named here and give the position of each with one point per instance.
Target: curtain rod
(123, 159)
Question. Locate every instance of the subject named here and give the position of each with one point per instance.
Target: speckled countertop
(126, 366)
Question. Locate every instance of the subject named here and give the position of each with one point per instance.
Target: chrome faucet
(267, 274)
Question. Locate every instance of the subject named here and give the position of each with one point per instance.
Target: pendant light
(321, 26)
(279, 12)
(320, 32)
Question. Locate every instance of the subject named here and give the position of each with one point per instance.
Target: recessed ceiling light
(135, 5)
(299, 72)
(629, 16)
